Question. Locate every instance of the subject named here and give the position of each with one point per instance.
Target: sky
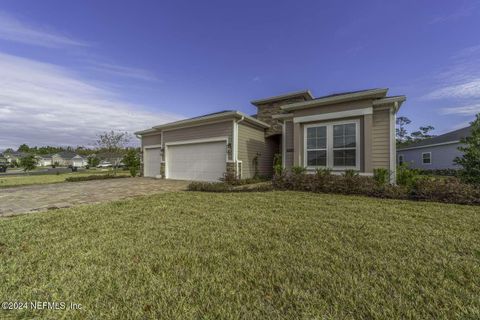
(70, 70)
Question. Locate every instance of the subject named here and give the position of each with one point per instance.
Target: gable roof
(377, 93)
(67, 155)
(449, 137)
(304, 93)
(226, 114)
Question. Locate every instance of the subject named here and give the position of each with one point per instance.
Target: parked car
(105, 164)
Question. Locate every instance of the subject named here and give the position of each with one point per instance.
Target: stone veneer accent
(232, 168)
(162, 169)
(267, 110)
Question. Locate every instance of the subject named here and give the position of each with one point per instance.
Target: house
(435, 153)
(350, 130)
(15, 156)
(68, 158)
(44, 160)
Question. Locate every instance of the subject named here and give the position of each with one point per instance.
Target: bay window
(332, 145)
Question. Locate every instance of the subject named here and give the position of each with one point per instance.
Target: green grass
(286, 255)
(25, 180)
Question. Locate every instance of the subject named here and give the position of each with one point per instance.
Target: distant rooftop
(452, 136)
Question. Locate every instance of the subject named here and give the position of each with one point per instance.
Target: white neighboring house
(44, 161)
(69, 158)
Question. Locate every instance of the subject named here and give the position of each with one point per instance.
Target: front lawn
(290, 255)
(25, 180)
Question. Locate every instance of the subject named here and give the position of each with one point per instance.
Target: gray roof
(347, 92)
(67, 155)
(452, 136)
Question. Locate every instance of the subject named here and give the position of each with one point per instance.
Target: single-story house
(350, 130)
(15, 156)
(434, 153)
(44, 160)
(69, 158)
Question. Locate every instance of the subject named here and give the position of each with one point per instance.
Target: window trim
(430, 158)
(329, 126)
(401, 155)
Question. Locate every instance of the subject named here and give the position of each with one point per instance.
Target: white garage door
(199, 161)
(151, 162)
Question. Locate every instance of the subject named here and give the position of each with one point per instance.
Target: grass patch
(26, 180)
(246, 255)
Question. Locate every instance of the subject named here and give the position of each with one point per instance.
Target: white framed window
(401, 159)
(426, 157)
(334, 145)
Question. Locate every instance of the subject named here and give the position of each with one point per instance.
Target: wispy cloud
(468, 110)
(121, 71)
(461, 80)
(42, 104)
(469, 89)
(462, 11)
(14, 29)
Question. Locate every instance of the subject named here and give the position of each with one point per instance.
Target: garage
(151, 162)
(204, 161)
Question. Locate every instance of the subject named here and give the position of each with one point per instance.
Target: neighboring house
(351, 130)
(68, 158)
(434, 153)
(44, 160)
(15, 156)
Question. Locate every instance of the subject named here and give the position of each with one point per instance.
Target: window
(401, 159)
(426, 157)
(344, 145)
(317, 146)
(333, 145)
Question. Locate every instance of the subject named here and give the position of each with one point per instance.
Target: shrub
(439, 172)
(321, 172)
(209, 186)
(298, 170)
(406, 176)
(132, 162)
(381, 176)
(94, 177)
(450, 190)
(350, 173)
(277, 164)
(223, 187)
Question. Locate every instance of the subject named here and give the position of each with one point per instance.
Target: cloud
(126, 72)
(468, 110)
(13, 29)
(461, 12)
(45, 104)
(470, 89)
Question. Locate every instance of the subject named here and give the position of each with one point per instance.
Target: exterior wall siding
(151, 140)
(381, 139)
(252, 141)
(206, 131)
(442, 157)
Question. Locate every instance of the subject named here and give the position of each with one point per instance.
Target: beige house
(352, 130)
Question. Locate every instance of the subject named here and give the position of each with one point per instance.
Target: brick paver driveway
(60, 195)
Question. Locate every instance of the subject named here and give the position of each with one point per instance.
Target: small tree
(93, 161)
(132, 162)
(402, 133)
(470, 161)
(28, 163)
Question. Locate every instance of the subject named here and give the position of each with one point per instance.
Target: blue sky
(71, 69)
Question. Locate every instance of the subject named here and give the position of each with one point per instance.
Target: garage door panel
(199, 161)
